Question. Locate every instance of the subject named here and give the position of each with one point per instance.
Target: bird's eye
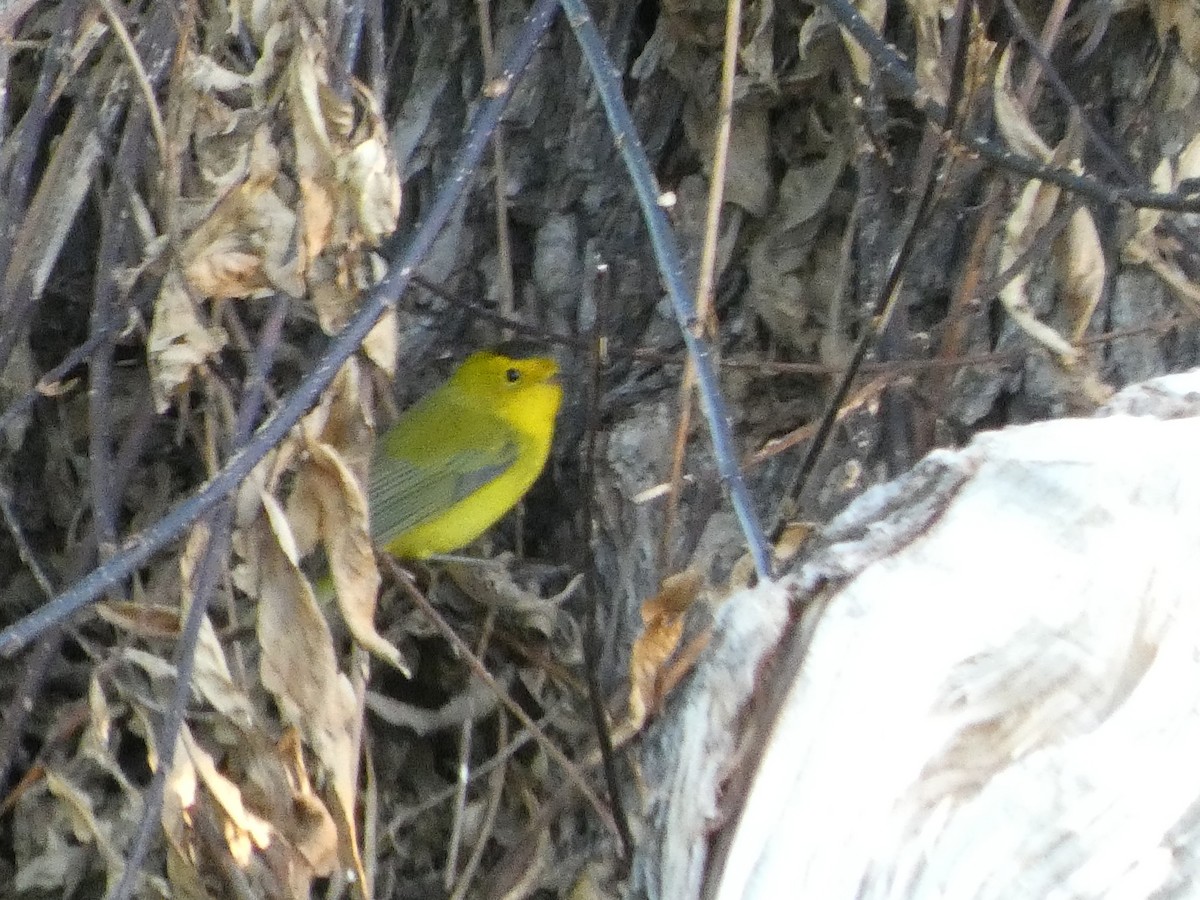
(513, 375)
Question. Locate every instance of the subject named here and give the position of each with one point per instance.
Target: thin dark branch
(587, 565)
(114, 233)
(670, 267)
(24, 551)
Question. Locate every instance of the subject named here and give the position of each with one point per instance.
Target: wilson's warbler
(463, 455)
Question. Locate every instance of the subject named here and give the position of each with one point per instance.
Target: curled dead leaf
(213, 681)
(346, 535)
(244, 831)
(493, 586)
(179, 343)
(299, 667)
(1016, 129)
(150, 621)
(874, 12)
(1159, 251)
(246, 245)
(1081, 271)
(373, 182)
(663, 618)
(1077, 252)
(308, 825)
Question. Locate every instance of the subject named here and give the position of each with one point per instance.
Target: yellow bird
(463, 455)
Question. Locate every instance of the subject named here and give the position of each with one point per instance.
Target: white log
(993, 690)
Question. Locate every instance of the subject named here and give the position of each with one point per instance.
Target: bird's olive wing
(405, 494)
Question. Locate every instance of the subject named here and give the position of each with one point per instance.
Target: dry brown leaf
(243, 830)
(347, 421)
(1077, 252)
(320, 121)
(221, 138)
(317, 211)
(308, 825)
(319, 113)
(349, 190)
(336, 284)
(663, 617)
(372, 179)
(305, 511)
(346, 535)
(150, 621)
(85, 827)
(341, 420)
(1019, 230)
(299, 667)
(179, 798)
(1157, 250)
(792, 540)
(152, 664)
(178, 343)
(99, 715)
(333, 291)
(211, 677)
(874, 12)
(1016, 129)
(298, 664)
(382, 343)
(1081, 271)
(246, 244)
(1181, 17)
(182, 788)
(213, 681)
(304, 840)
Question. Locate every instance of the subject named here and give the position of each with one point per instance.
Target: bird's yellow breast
(463, 456)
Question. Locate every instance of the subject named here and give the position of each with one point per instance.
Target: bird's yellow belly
(467, 519)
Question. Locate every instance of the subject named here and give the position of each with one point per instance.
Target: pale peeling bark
(991, 689)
